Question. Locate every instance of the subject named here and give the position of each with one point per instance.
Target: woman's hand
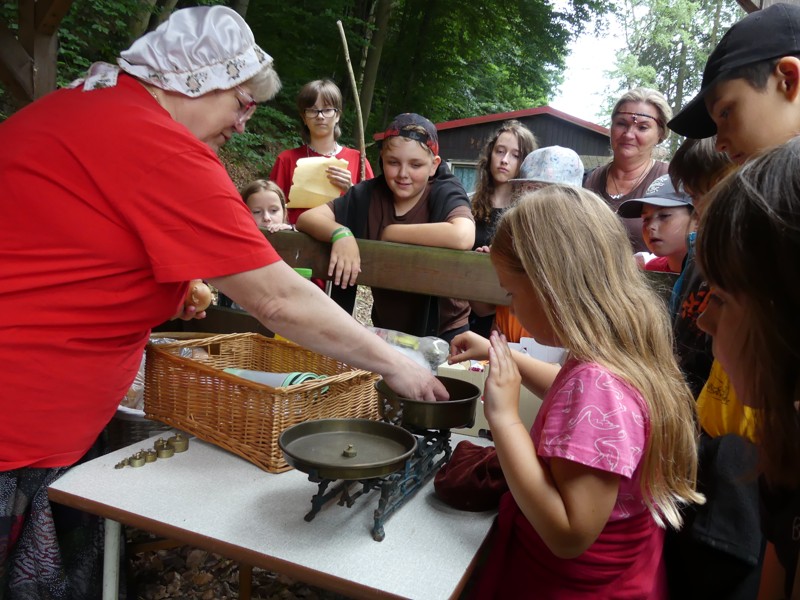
(411, 380)
(345, 264)
(189, 312)
(341, 178)
(468, 346)
(188, 308)
(502, 387)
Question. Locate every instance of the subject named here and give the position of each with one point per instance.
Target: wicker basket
(246, 418)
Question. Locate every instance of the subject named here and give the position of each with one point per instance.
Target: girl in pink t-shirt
(591, 488)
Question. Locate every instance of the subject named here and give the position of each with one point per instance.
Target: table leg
(245, 581)
(111, 560)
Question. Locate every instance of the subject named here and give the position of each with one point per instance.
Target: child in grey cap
(666, 221)
(551, 164)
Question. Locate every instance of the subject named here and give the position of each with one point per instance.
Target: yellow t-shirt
(720, 411)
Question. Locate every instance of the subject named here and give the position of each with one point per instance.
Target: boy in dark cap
(416, 200)
(750, 95)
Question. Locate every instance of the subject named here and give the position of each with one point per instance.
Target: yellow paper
(310, 184)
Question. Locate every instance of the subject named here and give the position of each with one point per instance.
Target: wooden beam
(434, 271)
(16, 65)
(421, 269)
(48, 15)
(42, 47)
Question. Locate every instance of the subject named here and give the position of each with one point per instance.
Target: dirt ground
(187, 573)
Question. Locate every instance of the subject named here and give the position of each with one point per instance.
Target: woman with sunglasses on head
(638, 125)
(114, 199)
(320, 106)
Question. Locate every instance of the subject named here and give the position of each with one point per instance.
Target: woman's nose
(239, 126)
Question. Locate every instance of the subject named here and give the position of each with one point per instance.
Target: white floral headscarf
(196, 51)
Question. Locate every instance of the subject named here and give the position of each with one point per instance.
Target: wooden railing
(403, 267)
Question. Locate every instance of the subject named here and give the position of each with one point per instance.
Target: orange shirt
(508, 325)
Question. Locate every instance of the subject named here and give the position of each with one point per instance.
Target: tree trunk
(140, 21)
(422, 39)
(240, 6)
(369, 30)
(382, 13)
(164, 11)
(715, 27)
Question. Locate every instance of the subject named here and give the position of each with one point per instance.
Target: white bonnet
(196, 51)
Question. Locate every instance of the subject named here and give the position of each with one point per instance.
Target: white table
(212, 499)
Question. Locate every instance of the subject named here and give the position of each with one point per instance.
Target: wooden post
(362, 162)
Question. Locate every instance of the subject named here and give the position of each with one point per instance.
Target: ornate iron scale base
(433, 451)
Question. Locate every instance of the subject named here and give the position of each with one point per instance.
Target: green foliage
(667, 45)
(442, 59)
(254, 151)
(93, 30)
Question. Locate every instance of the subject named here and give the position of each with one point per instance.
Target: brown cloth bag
(472, 479)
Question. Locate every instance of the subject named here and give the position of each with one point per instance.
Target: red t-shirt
(283, 171)
(109, 208)
(659, 263)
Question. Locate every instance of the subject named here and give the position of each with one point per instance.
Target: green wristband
(340, 233)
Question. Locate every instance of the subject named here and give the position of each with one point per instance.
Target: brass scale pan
(353, 449)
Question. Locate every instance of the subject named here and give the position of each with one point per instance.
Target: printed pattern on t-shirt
(593, 418)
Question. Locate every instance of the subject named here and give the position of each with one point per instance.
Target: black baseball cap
(659, 193)
(762, 35)
(401, 124)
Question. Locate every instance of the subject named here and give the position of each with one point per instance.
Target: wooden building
(461, 141)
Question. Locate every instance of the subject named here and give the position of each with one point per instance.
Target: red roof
(516, 114)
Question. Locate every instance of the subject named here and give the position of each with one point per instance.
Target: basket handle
(211, 339)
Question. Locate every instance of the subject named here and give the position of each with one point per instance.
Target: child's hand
(341, 178)
(273, 227)
(468, 346)
(345, 264)
(483, 249)
(502, 387)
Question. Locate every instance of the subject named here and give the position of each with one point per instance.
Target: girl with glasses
(319, 104)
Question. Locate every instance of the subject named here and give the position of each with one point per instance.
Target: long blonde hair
(577, 255)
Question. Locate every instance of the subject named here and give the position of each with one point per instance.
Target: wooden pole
(362, 162)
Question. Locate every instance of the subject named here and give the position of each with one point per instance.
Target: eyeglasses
(246, 108)
(312, 113)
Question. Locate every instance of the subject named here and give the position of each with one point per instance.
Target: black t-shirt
(484, 230)
(780, 523)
